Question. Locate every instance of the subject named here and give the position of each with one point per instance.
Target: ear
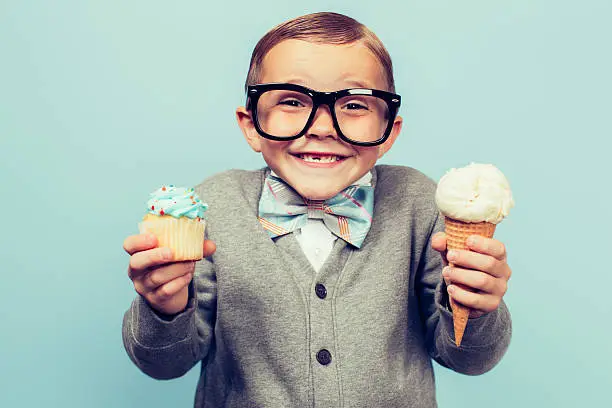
(395, 130)
(245, 121)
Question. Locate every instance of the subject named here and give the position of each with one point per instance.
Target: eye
(291, 102)
(355, 106)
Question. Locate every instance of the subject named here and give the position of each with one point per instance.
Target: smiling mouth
(319, 158)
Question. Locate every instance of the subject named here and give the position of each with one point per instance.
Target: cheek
(368, 156)
(272, 148)
(273, 151)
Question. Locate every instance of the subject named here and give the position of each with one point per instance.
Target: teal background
(102, 101)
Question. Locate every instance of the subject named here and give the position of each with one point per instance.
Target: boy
(344, 303)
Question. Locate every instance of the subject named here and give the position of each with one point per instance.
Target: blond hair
(326, 28)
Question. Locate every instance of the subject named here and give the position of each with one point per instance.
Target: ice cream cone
(456, 234)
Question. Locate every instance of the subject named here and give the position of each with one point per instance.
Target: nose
(323, 124)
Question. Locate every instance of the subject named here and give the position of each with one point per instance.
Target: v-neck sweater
(270, 331)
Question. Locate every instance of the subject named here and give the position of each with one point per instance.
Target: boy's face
(322, 67)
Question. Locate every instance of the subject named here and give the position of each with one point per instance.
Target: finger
(143, 260)
(438, 241)
(487, 246)
(478, 301)
(209, 248)
(140, 242)
(170, 289)
(445, 276)
(476, 261)
(160, 276)
(475, 280)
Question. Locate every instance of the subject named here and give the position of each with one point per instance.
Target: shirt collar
(366, 180)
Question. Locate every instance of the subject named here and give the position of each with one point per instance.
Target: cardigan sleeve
(486, 338)
(166, 347)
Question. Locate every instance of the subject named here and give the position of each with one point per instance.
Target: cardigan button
(320, 291)
(324, 357)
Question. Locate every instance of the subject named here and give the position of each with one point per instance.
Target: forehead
(323, 67)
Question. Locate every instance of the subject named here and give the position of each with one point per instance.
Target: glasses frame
(328, 99)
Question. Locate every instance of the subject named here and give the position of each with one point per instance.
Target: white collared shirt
(315, 239)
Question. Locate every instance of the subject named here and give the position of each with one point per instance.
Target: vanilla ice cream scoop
(474, 193)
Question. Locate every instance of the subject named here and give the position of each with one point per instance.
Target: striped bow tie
(347, 215)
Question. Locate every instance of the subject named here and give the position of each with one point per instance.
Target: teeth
(319, 159)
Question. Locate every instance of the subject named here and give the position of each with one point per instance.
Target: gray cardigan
(269, 335)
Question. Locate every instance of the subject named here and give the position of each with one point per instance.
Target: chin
(318, 193)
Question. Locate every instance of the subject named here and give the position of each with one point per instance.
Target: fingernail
(167, 253)
(472, 241)
(452, 255)
(446, 271)
(451, 289)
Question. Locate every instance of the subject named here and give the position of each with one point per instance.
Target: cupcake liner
(456, 234)
(183, 235)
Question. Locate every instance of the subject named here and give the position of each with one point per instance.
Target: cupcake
(473, 200)
(176, 217)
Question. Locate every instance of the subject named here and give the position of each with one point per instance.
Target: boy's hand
(162, 282)
(479, 277)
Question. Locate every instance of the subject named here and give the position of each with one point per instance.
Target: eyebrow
(351, 83)
(296, 81)
(359, 84)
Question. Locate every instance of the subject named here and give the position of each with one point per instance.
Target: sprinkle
(164, 188)
(161, 212)
(152, 208)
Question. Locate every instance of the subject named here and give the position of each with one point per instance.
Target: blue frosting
(176, 202)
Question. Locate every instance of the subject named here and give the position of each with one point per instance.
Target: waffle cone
(456, 234)
(183, 235)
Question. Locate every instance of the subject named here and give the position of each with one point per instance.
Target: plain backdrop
(103, 101)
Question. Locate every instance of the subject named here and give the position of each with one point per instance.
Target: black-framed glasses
(363, 117)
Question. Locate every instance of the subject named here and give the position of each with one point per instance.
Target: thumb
(209, 248)
(438, 242)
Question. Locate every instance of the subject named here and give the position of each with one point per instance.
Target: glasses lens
(283, 113)
(362, 118)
